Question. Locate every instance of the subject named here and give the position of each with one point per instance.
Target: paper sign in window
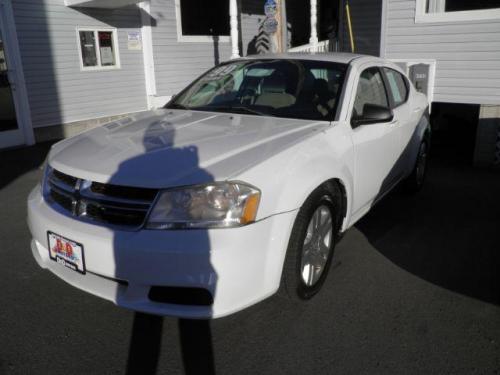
(107, 57)
(134, 41)
(106, 48)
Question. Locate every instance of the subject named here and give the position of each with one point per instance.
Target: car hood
(166, 148)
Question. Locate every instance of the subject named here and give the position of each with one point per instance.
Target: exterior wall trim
(383, 29)
(148, 52)
(421, 16)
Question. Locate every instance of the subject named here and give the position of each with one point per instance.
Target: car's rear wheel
(416, 179)
(312, 242)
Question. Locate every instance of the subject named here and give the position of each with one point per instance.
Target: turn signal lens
(250, 210)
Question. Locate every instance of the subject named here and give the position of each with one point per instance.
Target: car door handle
(394, 124)
(416, 110)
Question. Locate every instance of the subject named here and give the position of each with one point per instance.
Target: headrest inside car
(275, 83)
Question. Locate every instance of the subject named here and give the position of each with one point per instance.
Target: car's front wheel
(312, 242)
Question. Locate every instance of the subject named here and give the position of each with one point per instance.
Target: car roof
(337, 57)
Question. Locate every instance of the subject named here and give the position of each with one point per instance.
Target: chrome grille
(110, 204)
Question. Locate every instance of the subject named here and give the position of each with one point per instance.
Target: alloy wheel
(317, 245)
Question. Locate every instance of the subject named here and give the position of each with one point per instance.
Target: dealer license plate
(66, 252)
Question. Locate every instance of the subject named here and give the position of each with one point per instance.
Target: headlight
(215, 205)
(46, 170)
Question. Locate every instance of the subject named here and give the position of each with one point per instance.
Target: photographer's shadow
(155, 159)
(146, 343)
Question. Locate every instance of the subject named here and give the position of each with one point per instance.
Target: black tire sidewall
(412, 182)
(292, 278)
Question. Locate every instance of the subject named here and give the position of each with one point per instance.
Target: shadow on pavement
(146, 344)
(448, 233)
(15, 163)
(196, 347)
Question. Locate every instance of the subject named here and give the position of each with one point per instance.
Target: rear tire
(312, 242)
(415, 181)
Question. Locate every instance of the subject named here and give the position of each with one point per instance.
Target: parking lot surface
(414, 289)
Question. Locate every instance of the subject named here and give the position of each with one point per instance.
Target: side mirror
(373, 114)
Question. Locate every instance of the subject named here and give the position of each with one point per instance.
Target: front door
(11, 133)
(376, 145)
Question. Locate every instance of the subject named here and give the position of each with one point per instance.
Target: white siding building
(462, 39)
(67, 65)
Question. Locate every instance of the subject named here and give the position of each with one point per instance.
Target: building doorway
(14, 116)
(329, 22)
(330, 12)
(7, 110)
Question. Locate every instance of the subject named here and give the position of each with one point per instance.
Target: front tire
(312, 242)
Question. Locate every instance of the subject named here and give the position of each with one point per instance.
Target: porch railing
(320, 47)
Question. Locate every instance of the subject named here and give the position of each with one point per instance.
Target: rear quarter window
(398, 87)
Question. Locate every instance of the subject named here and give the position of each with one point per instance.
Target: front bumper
(238, 266)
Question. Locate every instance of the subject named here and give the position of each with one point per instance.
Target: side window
(398, 87)
(371, 90)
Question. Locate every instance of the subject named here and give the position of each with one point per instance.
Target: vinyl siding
(467, 53)
(59, 92)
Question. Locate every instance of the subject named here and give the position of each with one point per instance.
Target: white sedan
(238, 188)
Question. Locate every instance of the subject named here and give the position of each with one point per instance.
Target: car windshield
(302, 89)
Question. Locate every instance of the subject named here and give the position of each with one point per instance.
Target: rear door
(404, 115)
(376, 145)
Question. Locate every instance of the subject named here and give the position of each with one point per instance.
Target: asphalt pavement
(414, 289)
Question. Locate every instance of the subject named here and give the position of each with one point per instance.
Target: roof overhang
(110, 4)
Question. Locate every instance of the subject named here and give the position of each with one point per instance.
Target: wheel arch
(313, 174)
(345, 197)
(340, 184)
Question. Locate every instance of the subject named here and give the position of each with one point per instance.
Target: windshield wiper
(241, 109)
(229, 109)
